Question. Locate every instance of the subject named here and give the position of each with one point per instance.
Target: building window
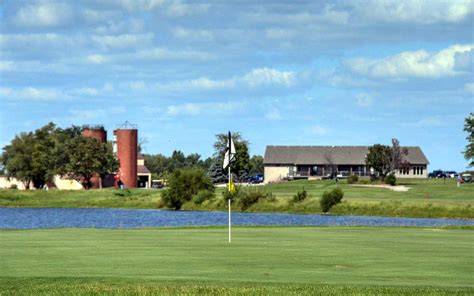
(421, 170)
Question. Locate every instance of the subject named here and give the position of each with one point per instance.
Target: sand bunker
(399, 188)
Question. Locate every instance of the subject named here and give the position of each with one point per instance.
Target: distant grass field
(260, 260)
(426, 198)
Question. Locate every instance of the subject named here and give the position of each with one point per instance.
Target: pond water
(29, 218)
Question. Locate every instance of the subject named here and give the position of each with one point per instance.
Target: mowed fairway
(276, 260)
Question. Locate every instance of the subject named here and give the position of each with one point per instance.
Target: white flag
(229, 153)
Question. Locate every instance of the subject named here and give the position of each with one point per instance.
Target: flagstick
(230, 176)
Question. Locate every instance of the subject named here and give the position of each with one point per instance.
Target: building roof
(139, 155)
(141, 169)
(337, 155)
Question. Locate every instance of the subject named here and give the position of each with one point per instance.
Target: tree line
(162, 166)
(37, 157)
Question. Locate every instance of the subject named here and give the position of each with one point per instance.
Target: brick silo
(97, 132)
(126, 145)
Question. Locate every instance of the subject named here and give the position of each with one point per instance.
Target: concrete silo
(126, 148)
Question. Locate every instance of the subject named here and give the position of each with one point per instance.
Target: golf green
(423, 257)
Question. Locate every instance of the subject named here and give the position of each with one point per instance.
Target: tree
(397, 159)
(256, 165)
(379, 158)
(330, 165)
(88, 157)
(30, 157)
(183, 184)
(241, 165)
(216, 172)
(469, 129)
(17, 158)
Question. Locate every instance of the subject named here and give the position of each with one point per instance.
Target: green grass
(260, 260)
(434, 198)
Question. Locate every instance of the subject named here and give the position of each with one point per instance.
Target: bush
(300, 196)
(245, 199)
(202, 196)
(123, 192)
(390, 179)
(330, 199)
(352, 179)
(183, 184)
(13, 186)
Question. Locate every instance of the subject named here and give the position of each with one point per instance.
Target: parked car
(451, 174)
(467, 178)
(328, 176)
(438, 174)
(342, 175)
(255, 179)
(157, 184)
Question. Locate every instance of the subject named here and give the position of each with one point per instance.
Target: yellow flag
(231, 187)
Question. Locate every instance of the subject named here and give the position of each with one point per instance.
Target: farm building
(314, 162)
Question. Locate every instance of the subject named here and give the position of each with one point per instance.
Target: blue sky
(281, 73)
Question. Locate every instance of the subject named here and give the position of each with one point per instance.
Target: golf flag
(231, 187)
(229, 153)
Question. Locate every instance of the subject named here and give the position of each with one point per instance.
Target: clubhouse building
(315, 162)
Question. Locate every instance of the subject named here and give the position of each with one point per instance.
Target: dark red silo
(98, 133)
(126, 143)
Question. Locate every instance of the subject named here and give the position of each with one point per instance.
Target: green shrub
(233, 196)
(247, 199)
(300, 196)
(202, 196)
(352, 179)
(390, 179)
(183, 184)
(14, 186)
(123, 192)
(330, 199)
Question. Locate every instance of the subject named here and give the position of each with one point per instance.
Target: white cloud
(118, 110)
(40, 40)
(186, 109)
(273, 114)
(96, 59)
(318, 130)
(256, 78)
(88, 91)
(469, 87)
(84, 115)
(179, 9)
(412, 11)
(427, 122)
(123, 40)
(164, 53)
(46, 14)
(191, 34)
(269, 77)
(420, 64)
(136, 5)
(137, 85)
(364, 100)
(328, 15)
(214, 108)
(32, 93)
